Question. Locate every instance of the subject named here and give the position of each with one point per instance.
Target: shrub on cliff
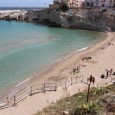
(64, 7)
(87, 109)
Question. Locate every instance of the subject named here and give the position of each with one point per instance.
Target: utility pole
(91, 80)
(88, 92)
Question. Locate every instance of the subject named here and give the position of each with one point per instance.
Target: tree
(64, 7)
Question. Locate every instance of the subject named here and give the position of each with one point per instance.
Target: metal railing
(48, 86)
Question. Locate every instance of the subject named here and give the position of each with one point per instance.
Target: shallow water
(26, 48)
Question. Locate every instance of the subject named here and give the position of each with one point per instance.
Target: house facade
(107, 3)
(99, 3)
(87, 3)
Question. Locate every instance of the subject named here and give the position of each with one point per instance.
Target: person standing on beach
(111, 71)
(91, 79)
(107, 74)
(77, 69)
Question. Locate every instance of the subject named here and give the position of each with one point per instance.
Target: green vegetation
(87, 108)
(77, 105)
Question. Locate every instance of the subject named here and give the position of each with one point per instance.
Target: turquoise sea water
(26, 48)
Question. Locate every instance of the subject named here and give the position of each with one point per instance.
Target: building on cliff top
(58, 3)
(84, 3)
(99, 3)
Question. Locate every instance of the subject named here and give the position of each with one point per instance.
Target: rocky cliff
(12, 14)
(101, 19)
(94, 19)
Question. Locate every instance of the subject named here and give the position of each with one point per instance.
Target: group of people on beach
(92, 79)
(76, 70)
(108, 73)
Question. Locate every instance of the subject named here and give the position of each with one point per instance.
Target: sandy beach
(102, 55)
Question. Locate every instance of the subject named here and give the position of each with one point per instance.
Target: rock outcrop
(12, 14)
(101, 19)
(93, 19)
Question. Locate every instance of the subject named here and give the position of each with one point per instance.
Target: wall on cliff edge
(95, 19)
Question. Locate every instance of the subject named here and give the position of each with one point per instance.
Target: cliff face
(94, 19)
(90, 19)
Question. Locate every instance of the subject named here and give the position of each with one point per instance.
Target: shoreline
(100, 50)
(75, 53)
(41, 77)
(13, 85)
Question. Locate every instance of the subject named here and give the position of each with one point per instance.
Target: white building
(99, 3)
(93, 3)
(107, 3)
(88, 3)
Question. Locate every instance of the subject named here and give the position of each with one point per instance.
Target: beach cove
(48, 54)
(103, 58)
(62, 69)
(20, 51)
